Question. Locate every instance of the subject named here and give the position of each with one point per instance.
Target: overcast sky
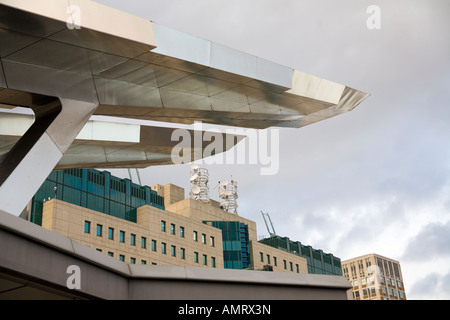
(374, 180)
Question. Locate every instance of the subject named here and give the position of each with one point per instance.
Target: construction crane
(272, 233)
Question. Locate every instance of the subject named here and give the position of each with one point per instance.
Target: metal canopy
(102, 144)
(151, 72)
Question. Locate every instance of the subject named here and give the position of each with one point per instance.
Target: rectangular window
(111, 254)
(121, 257)
(132, 260)
(195, 236)
(213, 262)
(284, 264)
(290, 266)
(182, 253)
(163, 248)
(275, 261)
(99, 230)
(203, 238)
(143, 242)
(211, 241)
(261, 257)
(153, 245)
(111, 233)
(182, 232)
(143, 262)
(172, 228)
(163, 225)
(87, 227)
(205, 259)
(173, 250)
(133, 239)
(297, 269)
(268, 258)
(122, 236)
(196, 257)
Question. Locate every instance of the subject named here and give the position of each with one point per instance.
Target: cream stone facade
(179, 235)
(278, 260)
(284, 261)
(159, 237)
(374, 277)
(170, 192)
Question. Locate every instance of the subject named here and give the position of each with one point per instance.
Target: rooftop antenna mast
(199, 184)
(228, 195)
(272, 233)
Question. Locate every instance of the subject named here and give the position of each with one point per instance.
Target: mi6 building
(157, 225)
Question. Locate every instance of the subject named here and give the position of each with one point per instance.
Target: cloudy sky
(374, 180)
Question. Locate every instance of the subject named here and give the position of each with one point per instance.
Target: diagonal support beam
(24, 168)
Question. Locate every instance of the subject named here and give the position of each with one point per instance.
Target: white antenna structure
(199, 184)
(228, 195)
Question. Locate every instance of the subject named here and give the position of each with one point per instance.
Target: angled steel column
(30, 161)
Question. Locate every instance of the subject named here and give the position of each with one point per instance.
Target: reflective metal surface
(38, 150)
(102, 144)
(138, 69)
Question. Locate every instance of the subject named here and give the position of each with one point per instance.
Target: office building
(318, 261)
(158, 225)
(374, 277)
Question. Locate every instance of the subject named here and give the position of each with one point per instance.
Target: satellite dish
(199, 183)
(228, 195)
(195, 189)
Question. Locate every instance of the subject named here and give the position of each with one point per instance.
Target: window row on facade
(387, 293)
(363, 267)
(164, 247)
(268, 259)
(181, 232)
(204, 258)
(382, 280)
